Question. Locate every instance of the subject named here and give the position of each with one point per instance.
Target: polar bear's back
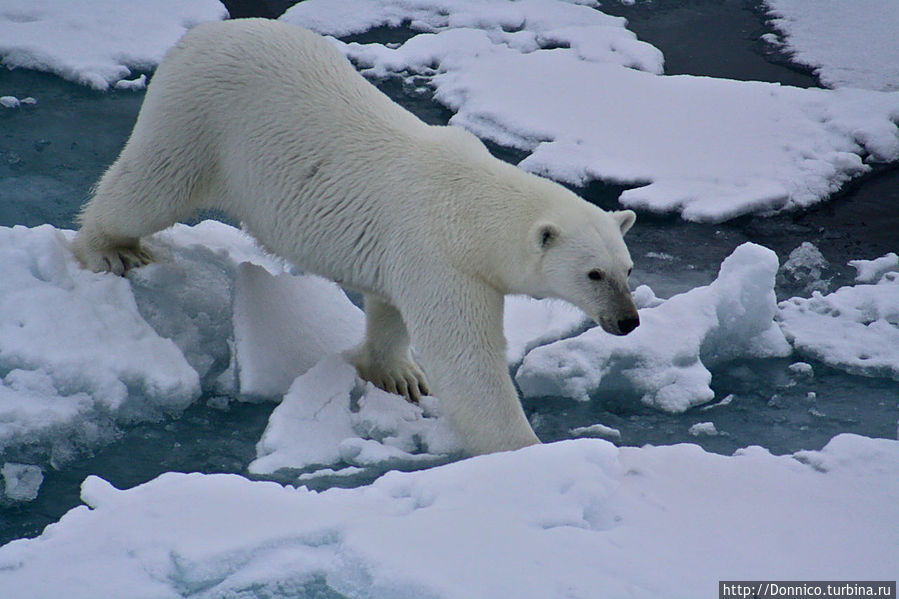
(259, 63)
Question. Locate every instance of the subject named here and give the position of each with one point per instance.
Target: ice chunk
(82, 331)
(284, 324)
(703, 429)
(578, 516)
(529, 322)
(96, 43)
(849, 44)
(802, 368)
(803, 269)
(329, 416)
(10, 102)
(855, 328)
(597, 430)
(870, 271)
(664, 361)
(645, 297)
(21, 482)
(132, 84)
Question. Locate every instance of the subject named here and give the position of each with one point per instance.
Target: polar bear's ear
(625, 219)
(545, 235)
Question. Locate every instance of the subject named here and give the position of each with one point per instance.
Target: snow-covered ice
(664, 362)
(870, 271)
(708, 149)
(74, 350)
(330, 417)
(96, 42)
(530, 322)
(82, 353)
(565, 519)
(848, 44)
(526, 26)
(284, 324)
(855, 328)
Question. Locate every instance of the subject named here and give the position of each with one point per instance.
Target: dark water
(51, 154)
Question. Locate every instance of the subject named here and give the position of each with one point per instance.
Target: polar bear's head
(580, 257)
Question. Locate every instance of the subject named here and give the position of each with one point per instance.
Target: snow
(855, 328)
(564, 519)
(848, 44)
(557, 88)
(21, 482)
(664, 362)
(96, 42)
(870, 271)
(330, 417)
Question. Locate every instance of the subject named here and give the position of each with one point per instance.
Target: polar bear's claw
(401, 377)
(98, 256)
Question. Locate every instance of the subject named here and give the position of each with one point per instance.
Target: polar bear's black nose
(628, 324)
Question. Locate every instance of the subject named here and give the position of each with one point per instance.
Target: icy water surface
(52, 152)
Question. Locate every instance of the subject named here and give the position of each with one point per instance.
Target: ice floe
(855, 328)
(75, 350)
(566, 519)
(848, 44)
(708, 149)
(82, 354)
(96, 42)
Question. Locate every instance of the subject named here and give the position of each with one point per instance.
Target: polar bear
(270, 123)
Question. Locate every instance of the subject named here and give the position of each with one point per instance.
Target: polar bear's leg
(458, 339)
(137, 196)
(384, 358)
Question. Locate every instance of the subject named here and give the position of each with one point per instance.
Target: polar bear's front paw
(400, 376)
(115, 259)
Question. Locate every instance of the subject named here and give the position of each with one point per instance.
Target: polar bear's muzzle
(621, 326)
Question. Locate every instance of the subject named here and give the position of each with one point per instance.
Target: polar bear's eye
(594, 275)
(629, 270)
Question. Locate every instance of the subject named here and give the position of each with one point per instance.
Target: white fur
(270, 123)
